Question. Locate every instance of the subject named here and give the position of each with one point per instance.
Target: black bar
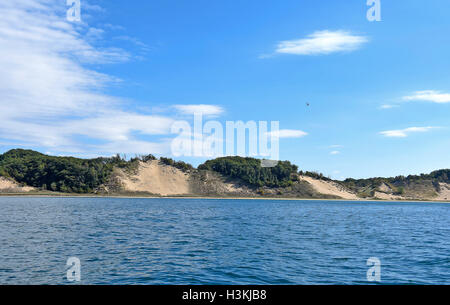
(224, 294)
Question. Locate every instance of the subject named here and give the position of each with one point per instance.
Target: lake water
(197, 241)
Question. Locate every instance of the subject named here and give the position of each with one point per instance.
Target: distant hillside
(422, 186)
(158, 178)
(62, 174)
(250, 171)
(8, 185)
(27, 170)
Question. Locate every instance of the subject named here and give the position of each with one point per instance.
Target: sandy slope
(329, 188)
(385, 188)
(444, 194)
(156, 178)
(7, 185)
(386, 196)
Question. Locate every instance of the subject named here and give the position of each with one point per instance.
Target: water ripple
(196, 241)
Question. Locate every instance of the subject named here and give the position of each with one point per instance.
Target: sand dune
(444, 194)
(387, 196)
(10, 186)
(329, 188)
(156, 178)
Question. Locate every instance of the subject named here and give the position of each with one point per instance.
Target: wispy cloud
(321, 43)
(49, 96)
(388, 106)
(113, 27)
(142, 46)
(429, 96)
(288, 133)
(211, 110)
(403, 133)
(335, 152)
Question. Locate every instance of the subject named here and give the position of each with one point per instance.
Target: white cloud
(429, 96)
(118, 126)
(94, 33)
(322, 42)
(211, 110)
(133, 40)
(132, 147)
(49, 96)
(91, 7)
(403, 133)
(387, 106)
(288, 133)
(335, 152)
(113, 27)
(336, 146)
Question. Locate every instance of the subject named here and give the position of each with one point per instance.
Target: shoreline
(18, 195)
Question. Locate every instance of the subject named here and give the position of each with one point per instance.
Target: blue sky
(379, 92)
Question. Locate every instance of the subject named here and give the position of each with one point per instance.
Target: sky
(353, 98)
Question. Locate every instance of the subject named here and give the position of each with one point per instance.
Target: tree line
(68, 174)
(251, 171)
(400, 182)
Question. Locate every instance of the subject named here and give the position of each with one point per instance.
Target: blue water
(197, 241)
